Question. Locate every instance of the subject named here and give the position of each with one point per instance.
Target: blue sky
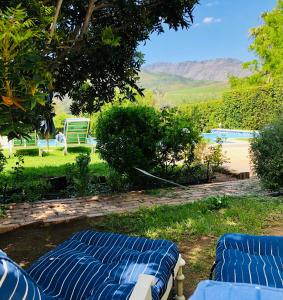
(220, 30)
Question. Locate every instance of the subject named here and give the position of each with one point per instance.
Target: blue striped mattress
(250, 259)
(91, 265)
(215, 290)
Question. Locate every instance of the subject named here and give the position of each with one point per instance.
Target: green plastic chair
(31, 142)
(76, 133)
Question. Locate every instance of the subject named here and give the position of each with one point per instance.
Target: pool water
(226, 134)
(55, 143)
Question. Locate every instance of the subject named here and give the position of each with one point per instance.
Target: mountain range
(209, 70)
(190, 81)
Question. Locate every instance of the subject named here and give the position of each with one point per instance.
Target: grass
(203, 218)
(54, 163)
(195, 227)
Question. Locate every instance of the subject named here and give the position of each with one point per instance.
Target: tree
(97, 40)
(268, 46)
(23, 71)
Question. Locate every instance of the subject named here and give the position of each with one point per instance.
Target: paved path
(64, 210)
(238, 154)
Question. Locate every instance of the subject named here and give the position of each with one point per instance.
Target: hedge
(253, 107)
(242, 108)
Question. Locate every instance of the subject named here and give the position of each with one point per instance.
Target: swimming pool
(55, 143)
(226, 134)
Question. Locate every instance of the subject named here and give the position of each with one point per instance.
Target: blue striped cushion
(215, 290)
(15, 283)
(250, 259)
(94, 265)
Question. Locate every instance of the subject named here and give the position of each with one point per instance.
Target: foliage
(267, 45)
(59, 121)
(267, 155)
(213, 158)
(250, 107)
(127, 137)
(206, 115)
(79, 174)
(18, 169)
(215, 203)
(30, 191)
(96, 42)
(178, 141)
(24, 76)
(253, 107)
(3, 161)
(268, 41)
(3, 209)
(118, 182)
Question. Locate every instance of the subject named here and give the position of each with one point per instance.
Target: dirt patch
(27, 244)
(275, 227)
(199, 256)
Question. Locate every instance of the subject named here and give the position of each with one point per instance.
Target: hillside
(211, 70)
(175, 90)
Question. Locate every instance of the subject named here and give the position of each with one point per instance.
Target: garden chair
(31, 142)
(76, 133)
(93, 265)
(250, 259)
(216, 290)
(246, 267)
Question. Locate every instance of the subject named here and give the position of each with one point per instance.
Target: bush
(118, 182)
(79, 176)
(127, 137)
(178, 141)
(30, 191)
(213, 158)
(267, 155)
(3, 161)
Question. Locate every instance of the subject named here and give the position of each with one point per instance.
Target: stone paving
(64, 210)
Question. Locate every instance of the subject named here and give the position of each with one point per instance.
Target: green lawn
(195, 227)
(54, 162)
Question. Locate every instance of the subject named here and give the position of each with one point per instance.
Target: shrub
(128, 136)
(118, 182)
(267, 155)
(178, 141)
(213, 158)
(79, 176)
(3, 161)
(30, 191)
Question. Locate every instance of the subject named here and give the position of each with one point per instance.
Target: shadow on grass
(193, 227)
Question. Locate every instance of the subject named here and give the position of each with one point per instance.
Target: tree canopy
(268, 46)
(95, 42)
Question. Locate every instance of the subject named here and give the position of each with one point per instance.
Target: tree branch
(54, 23)
(89, 13)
